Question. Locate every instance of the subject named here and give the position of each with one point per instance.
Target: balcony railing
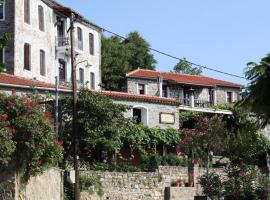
(62, 41)
(198, 103)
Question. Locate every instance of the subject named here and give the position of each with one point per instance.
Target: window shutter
(92, 81)
(42, 63)
(41, 18)
(27, 56)
(27, 11)
(91, 43)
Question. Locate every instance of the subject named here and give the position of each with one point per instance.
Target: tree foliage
(257, 93)
(27, 140)
(185, 67)
(122, 56)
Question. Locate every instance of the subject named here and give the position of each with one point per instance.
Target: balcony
(62, 44)
(197, 103)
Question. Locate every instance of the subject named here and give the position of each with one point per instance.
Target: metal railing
(198, 103)
(62, 41)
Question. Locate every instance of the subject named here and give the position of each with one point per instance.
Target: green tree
(140, 55)
(115, 63)
(257, 93)
(185, 67)
(122, 56)
(101, 123)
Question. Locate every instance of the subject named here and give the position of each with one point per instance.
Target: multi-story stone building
(41, 46)
(194, 92)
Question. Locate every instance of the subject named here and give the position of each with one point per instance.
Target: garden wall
(142, 185)
(47, 186)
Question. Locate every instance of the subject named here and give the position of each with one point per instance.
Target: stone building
(41, 46)
(195, 92)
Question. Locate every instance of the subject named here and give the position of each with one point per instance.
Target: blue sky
(224, 34)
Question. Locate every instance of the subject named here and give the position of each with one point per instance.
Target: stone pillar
(192, 100)
(160, 84)
(215, 96)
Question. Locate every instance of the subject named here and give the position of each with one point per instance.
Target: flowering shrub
(27, 140)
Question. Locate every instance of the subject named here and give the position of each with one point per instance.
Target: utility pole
(57, 106)
(75, 114)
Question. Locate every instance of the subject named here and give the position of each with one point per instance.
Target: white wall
(25, 33)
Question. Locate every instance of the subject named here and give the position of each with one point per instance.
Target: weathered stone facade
(47, 186)
(144, 185)
(176, 91)
(47, 41)
(152, 112)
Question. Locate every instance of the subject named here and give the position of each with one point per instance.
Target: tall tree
(122, 56)
(140, 55)
(257, 93)
(185, 67)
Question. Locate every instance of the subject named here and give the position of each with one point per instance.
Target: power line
(177, 58)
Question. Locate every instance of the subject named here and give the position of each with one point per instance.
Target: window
(141, 88)
(62, 70)
(91, 43)
(92, 81)
(81, 75)
(42, 63)
(2, 11)
(41, 18)
(27, 11)
(137, 115)
(27, 56)
(80, 38)
(165, 91)
(229, 97)
(2, 56)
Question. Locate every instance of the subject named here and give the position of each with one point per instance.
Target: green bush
(152, 161)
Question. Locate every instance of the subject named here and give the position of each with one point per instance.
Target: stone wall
(221, 94)
(144, 185)
(47, 186)
(153, 112)
(151, 86)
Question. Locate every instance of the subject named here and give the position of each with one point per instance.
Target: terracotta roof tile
(137, 97)
(19, 81)
(181, 78)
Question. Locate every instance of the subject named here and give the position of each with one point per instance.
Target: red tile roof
(181, 78)
(137, 97)
(16, 80)
(19, 81)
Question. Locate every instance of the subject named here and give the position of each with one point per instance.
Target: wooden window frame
(92, 81)
(41, 20)
(91, 44)
(42, 57)
(27, 11)
(27, 60)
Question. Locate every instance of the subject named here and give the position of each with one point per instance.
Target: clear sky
(223, 34)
